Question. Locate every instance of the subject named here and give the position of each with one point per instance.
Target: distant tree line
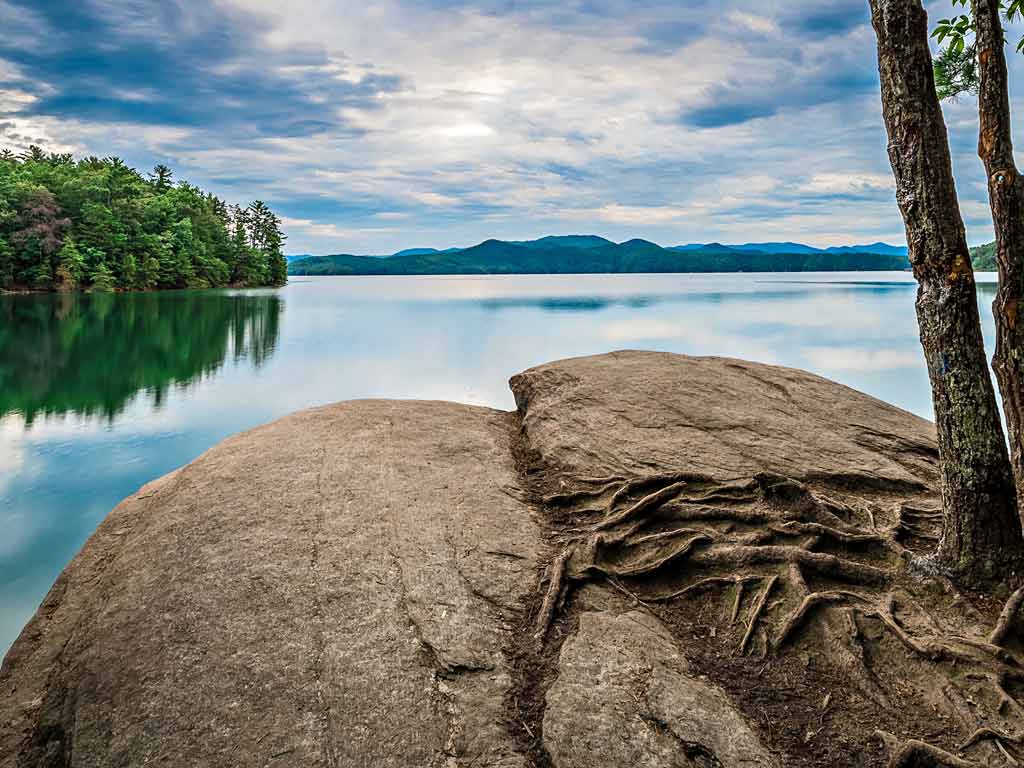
(984, 258)
(96, 224)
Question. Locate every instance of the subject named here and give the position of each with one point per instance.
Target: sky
(374, 126)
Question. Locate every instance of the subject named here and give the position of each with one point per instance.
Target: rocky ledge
(657, 560)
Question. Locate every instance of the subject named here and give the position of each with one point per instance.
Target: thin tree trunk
(982, 537)
(1006, 198)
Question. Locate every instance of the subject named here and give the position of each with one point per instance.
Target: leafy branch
(956, 67)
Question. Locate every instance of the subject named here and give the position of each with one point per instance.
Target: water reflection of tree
(91, 354)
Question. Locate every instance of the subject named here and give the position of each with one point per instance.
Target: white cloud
(754, 23)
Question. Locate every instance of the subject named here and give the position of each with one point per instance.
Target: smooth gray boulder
(635, 413)
(336, 588)
(625, 696)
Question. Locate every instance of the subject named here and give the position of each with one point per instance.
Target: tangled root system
(798, 569)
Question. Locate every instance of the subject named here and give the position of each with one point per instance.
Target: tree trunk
(982, 538)
(1006, 198)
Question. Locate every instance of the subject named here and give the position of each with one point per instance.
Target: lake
(100, 394)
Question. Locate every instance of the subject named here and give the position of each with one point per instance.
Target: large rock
(634, 413)
(625, 696)
(335, 588)
(355, 585)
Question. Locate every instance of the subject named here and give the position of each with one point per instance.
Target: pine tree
(240, 251)
(150, 275)
(6, 263)
(182, 246)
(102, 279)
(70, 267)
(129, 273)
(162, 178)
(277, 263)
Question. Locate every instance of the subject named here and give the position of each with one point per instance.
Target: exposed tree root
(794, 528)
(708, 583)
(830, 571)
(826, 565)
(758, 608)
(918, 754)
(1007, 618)
(989, 733)
(554, 595)
(802, 612)
(651, 501)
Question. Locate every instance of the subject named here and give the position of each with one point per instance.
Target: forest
(97, 224)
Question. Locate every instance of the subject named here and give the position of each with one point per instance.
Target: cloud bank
(376, 125)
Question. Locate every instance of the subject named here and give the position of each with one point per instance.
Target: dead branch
(556, 583)
(1007, 618)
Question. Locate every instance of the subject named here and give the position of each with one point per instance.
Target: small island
(96, 224)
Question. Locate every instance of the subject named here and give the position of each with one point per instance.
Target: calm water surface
(100, 394)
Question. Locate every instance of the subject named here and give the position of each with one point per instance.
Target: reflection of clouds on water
(15, 522)
(684, 336)
(861, 359)
(460, 338)
(12, 450)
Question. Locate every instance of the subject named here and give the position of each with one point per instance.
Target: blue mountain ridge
(590, 254)
(595, 241)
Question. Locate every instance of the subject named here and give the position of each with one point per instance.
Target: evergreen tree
(102, 279)
(239, 262)
(162, 178)
(276, 262)
(150, 275)
(70, 267)
(182, 245)
(129, 273)
(6, 263)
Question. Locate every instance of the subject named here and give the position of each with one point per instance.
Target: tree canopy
(97, 224)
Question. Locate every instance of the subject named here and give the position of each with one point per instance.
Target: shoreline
(46, 292)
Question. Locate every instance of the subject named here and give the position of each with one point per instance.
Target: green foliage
(984, 258)
(6, 262)
(66, 224)
(956, 72)
(102, 279)
(956, 66)
(71, 267)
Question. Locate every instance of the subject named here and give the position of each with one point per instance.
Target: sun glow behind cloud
(378, 125)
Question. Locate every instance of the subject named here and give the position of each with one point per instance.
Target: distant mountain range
(589, 254)
(879, 248)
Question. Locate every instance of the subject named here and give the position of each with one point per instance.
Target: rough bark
(1006, 198)
(982, 532)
